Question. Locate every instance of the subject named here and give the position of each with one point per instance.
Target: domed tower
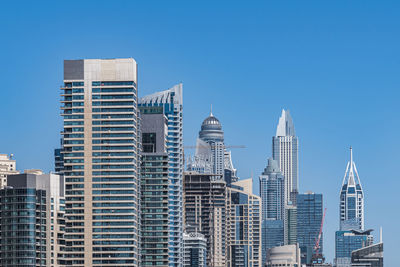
(210, 144)
(211, 130)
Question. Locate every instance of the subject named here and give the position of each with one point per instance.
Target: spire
(351, 159)
(211, 115)
(285, 125)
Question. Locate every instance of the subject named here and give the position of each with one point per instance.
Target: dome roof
(211, 130)
(211, 121)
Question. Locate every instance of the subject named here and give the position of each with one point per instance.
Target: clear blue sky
(333, 64)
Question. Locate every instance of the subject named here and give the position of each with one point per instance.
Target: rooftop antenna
(211, 111)
(351, 159)
(380, 235)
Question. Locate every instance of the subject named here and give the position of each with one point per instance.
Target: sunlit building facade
(171, 101)
(285, 150)
(243, 225)
(206, 212)
(100, 162)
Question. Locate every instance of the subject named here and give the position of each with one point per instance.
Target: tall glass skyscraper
(172, 102)
(154, 181)
(272, 191)
(309, 218)
(351, 199)
(100, 158)
(285, 151)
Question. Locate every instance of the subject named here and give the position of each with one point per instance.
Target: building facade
(195, 250)
(272, 191)
(172, 102)
(285, 151)
(58, 161)
(154, 182)
(288, 255)
(243, 225)
(206, 211)
(348, 241)
(309, 219)
(272, 236)
(7, 167)
(351, 199)
(100, 158)
(290, 225)
(370, 256)
(32, 221)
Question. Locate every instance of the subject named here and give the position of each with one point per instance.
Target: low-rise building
(288, 256)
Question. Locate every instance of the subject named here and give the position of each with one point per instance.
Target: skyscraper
(272, 191)
(309, 218)
(172, 102)
(32, 220)
(100, 157)
(351, 199)
(285, 151)
(154, 187)
(243, 225)
(211, 154)
(206, 211)
(212, 134)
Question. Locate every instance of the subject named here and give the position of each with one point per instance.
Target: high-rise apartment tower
(171, 101)
(32, 220)
(100, 158)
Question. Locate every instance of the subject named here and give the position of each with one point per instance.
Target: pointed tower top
(351, 154)
(285, 125)
(351, 176)
(211, 115)
(351, 180)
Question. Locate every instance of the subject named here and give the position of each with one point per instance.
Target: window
(149, 142)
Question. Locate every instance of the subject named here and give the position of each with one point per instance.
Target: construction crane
(233, 146)
(317, 257)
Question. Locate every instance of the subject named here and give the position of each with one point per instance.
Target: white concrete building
(7, 167)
